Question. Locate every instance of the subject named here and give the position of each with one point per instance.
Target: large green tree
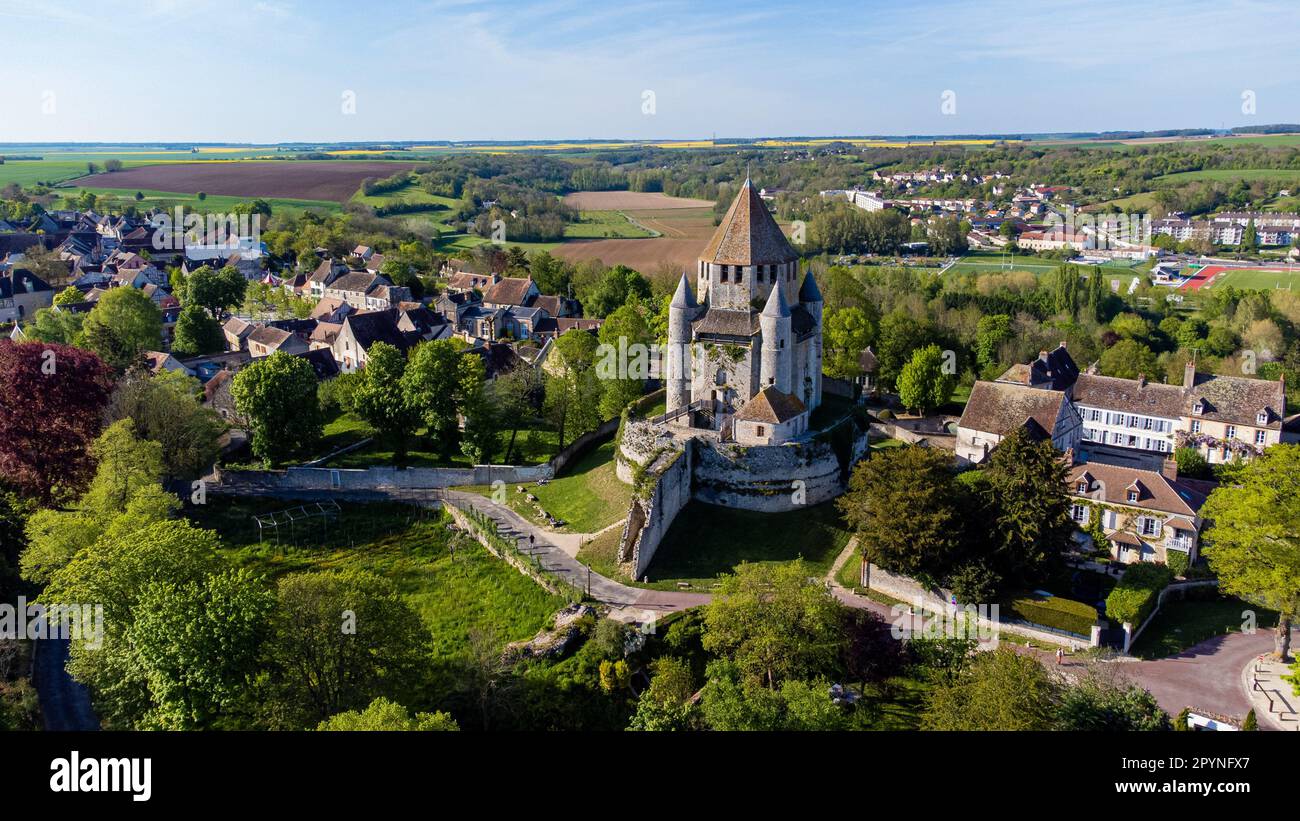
(998, 690)
(430, 383)
(278, 397)
(123, 324)
(774, 623)
(385, 715)
(1026, 504)
(215, 291)
(904, 505)
(166, 409)
(925, 383)
(848, 332)
(1254, 545)
(197, 333)
(381, 401)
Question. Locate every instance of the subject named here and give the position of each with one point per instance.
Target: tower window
(725, 272)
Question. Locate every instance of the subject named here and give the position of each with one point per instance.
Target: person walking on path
(1060, 655)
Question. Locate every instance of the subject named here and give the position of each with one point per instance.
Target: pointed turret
(683, 297)
(776, 305)
(809, 292)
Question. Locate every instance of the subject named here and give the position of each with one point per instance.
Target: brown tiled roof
(271, 337)
(1110, 484)
(1017, 374)
(467, 281)
(326, 332)
(867, 360)
(1001, 407)
(1128, 395)
(772, 406)
(1238, 399)
(327, 305)
(509, 291)
(358, 282)
(727, 322)
(567, 323)
(747, 234)
(551, 304)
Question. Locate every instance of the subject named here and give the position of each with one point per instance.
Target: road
(65, 704)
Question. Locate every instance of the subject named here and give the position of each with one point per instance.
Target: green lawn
(605, 225)
(1258, 280)
(1182, 624)
(707, 540)
(1229, 174)
(588, 497)
(454, 594)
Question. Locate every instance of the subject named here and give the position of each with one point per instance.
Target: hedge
(1137, 592)
(1055, 612)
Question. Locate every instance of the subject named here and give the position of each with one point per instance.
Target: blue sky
(278, 70)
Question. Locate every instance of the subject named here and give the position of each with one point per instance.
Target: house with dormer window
(1144, 514)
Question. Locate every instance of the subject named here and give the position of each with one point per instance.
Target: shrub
(1180, 722)
(885, 415)
(1136, 593)
(1250, 723)
(1178, 562)
(1054, 611)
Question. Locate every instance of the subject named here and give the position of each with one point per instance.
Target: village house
(266, 340)
(366, 291)
(22, 294)
(1144, 515)
(362, 330)
(236, 332)
(995, 409)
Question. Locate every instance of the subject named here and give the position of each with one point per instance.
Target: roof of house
(1238, 399)
(509, 291)
(379, 326)
(772, 406)
(748, 234)
(322, 361)
(1001, 407)
(1111, 484)
(468, 281)
(553, 305)
(327, 305)
(356, 282)
(1128, 395)
(1052, 369)
(268, 336)
(867, 360)
(21, 281)
(325, 332)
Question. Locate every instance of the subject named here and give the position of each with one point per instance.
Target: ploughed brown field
(330, 180)
(629, 201)
(685, 233)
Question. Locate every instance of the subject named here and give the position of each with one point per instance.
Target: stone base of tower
(668, 467)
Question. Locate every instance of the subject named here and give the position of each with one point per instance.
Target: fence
(488, 533)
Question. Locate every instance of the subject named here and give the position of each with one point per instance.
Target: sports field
(992, 262)
(1251, 278)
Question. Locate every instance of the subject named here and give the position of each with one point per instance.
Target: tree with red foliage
(52, 399)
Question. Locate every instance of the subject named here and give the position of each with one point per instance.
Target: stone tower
(678, 371)
(776, 362)
(810, 297)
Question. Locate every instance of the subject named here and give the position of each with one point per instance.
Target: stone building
(749, 332)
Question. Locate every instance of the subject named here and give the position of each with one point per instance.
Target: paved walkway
(1207, 676)
(65, 703)
(1272, 694)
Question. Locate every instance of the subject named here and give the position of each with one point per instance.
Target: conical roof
(748, 235)
(776, 304)
(683, 298)
(809, 292)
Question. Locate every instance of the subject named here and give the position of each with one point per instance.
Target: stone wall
(305, 478)
(659, 493)
(767, 478)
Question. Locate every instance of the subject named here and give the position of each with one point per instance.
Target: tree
(383, 715)
(69, 296)
(613, 290)
(999, 690)
(773, 623)
(1128, 358)
(902, 502)
(871, 653)
(124, 465)
(123, 324)
(197, 333)
(1102, 700)
(1027, 504)
(1254, 546)
(49, 325)
(990, 333)
(51, 400)
(430, 382)
(479, 440)
(666, 703)
(117, 570)
(572, 391)
(731, 702)
(621, 336)
(1191, 463)
(515, 396)
(198, 643)
(900, 334)
(380, 400)
(166, 409)
(278, 397)
(848, 333)
(215, 291)
(341, 638)
(924, 384)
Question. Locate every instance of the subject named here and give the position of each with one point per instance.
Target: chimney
(1189, 375)
(1169, 470)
